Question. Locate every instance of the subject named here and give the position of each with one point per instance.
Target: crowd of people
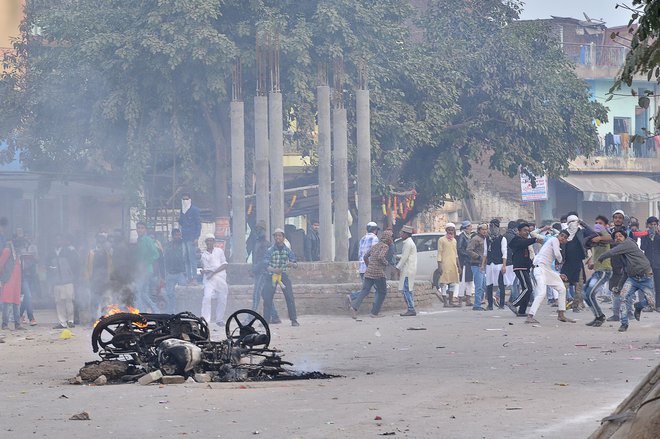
(572, 263)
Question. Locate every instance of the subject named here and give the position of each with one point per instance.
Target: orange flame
(115, 309)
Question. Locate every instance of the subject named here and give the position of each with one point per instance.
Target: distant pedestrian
(466, 282)
(522, 264)
(477, 250)
(650, 245)
(97, 274)
(191, 228)
(496, 258)
(30, 285)
(376, 260)
(175, 269)
(214, 265)
(448, 266)
(147, 255)
(407, 268)
(260, 246)
(278, 260)
(64, 265)
(10, 285)
(313, 243)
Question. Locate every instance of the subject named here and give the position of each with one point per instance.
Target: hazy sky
(598, 9)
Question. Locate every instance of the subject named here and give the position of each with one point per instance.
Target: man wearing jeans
(602, 270)
(640, 276)
(376, 260)
(477, 250)
(175, 269)
(407, 267)
(62, 273)
(191, 228)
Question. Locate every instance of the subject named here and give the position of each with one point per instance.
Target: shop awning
(612, 188)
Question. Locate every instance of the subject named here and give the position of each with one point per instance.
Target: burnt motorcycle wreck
(132, 345)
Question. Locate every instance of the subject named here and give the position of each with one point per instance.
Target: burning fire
(115, 309)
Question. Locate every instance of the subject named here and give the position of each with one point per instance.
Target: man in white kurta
(546, 276)
(407, 267)
(214, 265)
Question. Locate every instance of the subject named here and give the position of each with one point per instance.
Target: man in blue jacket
(191, 228)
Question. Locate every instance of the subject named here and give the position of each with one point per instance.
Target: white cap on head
(209, 236)
(278, 230)
(372, 224)
(572, 218)
(619, 211)
(450, 225)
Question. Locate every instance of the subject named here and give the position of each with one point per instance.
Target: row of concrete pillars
(269, 169)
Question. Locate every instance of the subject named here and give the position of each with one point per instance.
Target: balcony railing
(595, 55)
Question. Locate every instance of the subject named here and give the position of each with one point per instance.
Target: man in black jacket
(313, 243)
(466, 284)
(650, 245)
(522, 265)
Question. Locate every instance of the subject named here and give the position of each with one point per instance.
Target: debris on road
(82, 416)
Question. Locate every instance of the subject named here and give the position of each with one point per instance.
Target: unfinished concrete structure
(340, 164)
(237, 121)
(275, 136)
(324, 164)
(363, 128)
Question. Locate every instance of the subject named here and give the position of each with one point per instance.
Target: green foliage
(110, 85)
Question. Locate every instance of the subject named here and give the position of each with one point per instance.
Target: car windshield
(424, 243)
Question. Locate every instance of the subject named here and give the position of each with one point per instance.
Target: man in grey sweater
(638, 270)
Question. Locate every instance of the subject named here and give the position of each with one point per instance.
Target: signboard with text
(537, 193)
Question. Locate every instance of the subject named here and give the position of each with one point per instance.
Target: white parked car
(427, 253)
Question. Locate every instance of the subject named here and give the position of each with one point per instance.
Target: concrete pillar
(340, 164)
(237, 117)
(261, 159)
(363, 125)
(276, 145)
(325, 172)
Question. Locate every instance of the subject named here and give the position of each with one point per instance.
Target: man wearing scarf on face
(575, 254)
(191, 228)
(448, 266)
(496, 263)
(618, 274)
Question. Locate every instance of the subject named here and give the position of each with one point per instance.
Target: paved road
(465, 375)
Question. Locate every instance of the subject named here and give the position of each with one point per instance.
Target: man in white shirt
(407, 267)
(214, 266)
(546, 276)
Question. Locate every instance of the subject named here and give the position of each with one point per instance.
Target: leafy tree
(107, 86)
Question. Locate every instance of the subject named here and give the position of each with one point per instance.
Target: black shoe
(613, 319)
(623, 328)
(478, 309)
(521, 315)
(20, 328)
(71, 325)
(490, 308)
(592, 323)
(638, 311)
(5, 327)
(295, 323)
(576, 309)
(58, 326)
(409, 313)
(275, 321)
